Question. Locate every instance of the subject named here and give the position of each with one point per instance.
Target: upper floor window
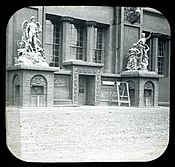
(76, 41)
(160, 56)
(52, 42)
(98, 45)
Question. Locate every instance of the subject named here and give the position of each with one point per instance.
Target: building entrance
(37, 96)
(38, 91)
(86, 94)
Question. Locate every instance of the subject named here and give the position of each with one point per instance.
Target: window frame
(161, 57)
(94, 45)
(55, 20)
(79, 24)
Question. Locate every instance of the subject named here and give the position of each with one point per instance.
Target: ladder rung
(124, 101)
(123, 96)
(120, 101)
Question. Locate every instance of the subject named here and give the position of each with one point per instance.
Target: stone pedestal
(31, 86)
(143, 87)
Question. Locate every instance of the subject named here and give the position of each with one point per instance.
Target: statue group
(30, 50)
(137, 55)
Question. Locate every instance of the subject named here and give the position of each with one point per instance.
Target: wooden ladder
(121, 93)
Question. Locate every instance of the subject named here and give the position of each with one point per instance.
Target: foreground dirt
(88, 134)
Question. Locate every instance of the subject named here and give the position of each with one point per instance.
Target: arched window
(149, 94)
(38, 91)
(16, 90)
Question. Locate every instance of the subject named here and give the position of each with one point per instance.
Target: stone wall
(101, 14)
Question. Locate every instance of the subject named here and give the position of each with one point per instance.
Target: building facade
(86, 48)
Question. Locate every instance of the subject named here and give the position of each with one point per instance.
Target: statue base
(31, 86)
(143, 87)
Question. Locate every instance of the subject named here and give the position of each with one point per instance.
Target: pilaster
(66, 33)
(90, 40)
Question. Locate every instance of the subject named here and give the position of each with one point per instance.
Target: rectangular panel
(37, 90)
(82, 90)
(41, 101)
(131, 35)
(90, 97)
(62, 87)
(106, 92)
(156, 23)
(33, 101)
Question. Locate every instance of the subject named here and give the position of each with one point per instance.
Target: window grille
(52, 44)
(160, 57)
(98, 45)
(76, 41)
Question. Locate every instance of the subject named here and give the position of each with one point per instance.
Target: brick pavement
(88, 133)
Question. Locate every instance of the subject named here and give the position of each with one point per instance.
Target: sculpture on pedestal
(30, 50)
(137, 55)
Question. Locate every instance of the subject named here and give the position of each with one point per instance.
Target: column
(155, 51)
(65, 42)
(116, 39)
(90, 40)
(121, 44)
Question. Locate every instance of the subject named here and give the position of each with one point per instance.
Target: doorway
(38, 88)
(149, 94)
(86, 94)
(38, 98)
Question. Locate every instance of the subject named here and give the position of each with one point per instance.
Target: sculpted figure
(32, 32)
(30, 49)
(133, 57)
(143, 39)
(144, 63)
(137, 55)
(143, 47)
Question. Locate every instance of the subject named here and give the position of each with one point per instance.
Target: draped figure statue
(137, 55)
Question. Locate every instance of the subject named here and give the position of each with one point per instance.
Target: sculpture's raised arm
(149, 36)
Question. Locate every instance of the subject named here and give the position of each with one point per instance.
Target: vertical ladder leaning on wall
(120, 93)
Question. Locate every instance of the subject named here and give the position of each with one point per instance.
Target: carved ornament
(16, 80)
(132, 14)
(38, 80)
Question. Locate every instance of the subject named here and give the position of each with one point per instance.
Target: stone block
(144, 84)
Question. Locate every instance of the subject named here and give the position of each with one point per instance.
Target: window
(76, 41)
(98, 45)
(160, 57)
(52, 44)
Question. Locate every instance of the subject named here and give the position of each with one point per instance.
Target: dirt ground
(88, 133)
